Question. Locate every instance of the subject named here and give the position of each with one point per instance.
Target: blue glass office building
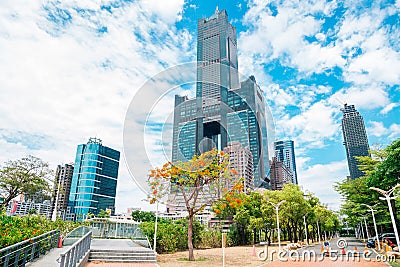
(224, 110)
(284, 152)
(94, 181)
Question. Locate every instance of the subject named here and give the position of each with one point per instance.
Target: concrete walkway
(49, 259)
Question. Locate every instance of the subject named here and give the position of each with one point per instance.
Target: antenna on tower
(341, 102)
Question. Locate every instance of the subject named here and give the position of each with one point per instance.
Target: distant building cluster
(84, 187)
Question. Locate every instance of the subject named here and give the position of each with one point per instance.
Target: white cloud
(282, 35)
(67, 81)
(388, 108)
(394, 131)
(312, 127)
(377, 129)
(363, 97)
(169, 11)
(320, 178)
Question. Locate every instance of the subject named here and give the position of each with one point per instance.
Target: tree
(293, 209)
(381, 170)
(200, 181)
(143, 216)
(28, 175)
(103, 214)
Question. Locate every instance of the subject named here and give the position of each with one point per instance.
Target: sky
(71, 69)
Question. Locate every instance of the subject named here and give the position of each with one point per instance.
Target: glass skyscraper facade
(284, 152)
(94, 181)
(224, 110)
(355, 138)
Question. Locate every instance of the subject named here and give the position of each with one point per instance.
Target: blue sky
(71, 68)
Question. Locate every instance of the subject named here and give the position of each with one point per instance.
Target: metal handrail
(25, 251)
(73, 255)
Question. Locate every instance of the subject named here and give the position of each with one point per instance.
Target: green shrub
(15, 229)
(210, 238)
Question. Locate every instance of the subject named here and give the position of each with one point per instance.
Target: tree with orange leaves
(200, 182)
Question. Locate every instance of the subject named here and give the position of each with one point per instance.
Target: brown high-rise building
(62, 187)
(280, 174)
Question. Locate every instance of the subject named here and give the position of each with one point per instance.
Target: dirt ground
(234, 256)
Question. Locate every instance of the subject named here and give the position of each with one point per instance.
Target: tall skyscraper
(284, 152)
(94, 181)
(61, 189)
(355, 138)
(224, 110)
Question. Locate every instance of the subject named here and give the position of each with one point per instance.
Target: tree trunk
(190, 237)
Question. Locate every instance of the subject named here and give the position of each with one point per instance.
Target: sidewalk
(49, 259)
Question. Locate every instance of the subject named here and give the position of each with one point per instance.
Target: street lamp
(305, 228)
(155, 228)
(388, 198)
(277, 221)
(366, 227)
(347, 227)
(371, 209)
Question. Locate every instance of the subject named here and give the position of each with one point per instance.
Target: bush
(16, 229)
(210, 238)
(172, 235)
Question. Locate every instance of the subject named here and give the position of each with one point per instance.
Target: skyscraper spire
(216, 10)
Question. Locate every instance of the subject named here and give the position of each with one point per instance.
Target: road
(297, 259)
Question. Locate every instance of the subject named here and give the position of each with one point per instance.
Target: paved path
(49, 259)
(319, 260)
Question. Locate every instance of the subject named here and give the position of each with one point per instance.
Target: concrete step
(121, 253)
(122, 256)
(121, 260)
(105, 256)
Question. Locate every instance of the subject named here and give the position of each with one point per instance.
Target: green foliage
(254, 214)
(200, 175)
(103, 214)
(27, 175)
(172, 235)
(16, 229)
(210, 238)
(143, 216)
(382, 170)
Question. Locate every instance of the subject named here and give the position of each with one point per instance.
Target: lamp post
(277, 221)
(305, 228)
(347, 228)
(362, 230)
(155, 228)
(366, 227)
(319, 236)
(371, 209)
(388, 198)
